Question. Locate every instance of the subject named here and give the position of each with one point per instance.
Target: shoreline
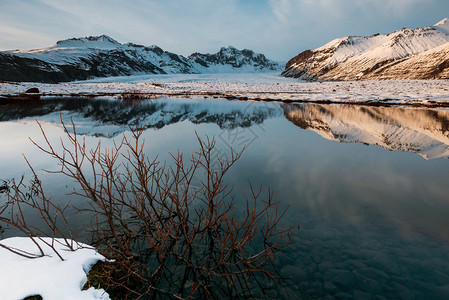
(415, 93)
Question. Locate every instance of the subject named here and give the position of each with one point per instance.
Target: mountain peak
(242, 60)
(101, 41)
(228, 49)
(443, 22)
(443, 25)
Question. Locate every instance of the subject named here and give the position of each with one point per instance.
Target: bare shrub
(33, 198)
(135, 97)
(172, 230)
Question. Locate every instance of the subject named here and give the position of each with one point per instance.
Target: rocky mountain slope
(102, 56)
(420, 53)
(233, 59)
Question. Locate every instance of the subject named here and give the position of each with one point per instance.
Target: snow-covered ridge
(244, 60)
(101, 42)
(102, 56)
(358, 57)
(443, 25)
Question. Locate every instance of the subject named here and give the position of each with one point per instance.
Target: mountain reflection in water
(109, 117)
(373, 222)
(421, 131)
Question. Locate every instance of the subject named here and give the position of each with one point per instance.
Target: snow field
(47, 276)
(252, 86)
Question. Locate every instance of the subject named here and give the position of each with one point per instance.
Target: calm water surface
(369, 186)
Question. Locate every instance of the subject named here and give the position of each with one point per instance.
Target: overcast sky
(278, 28)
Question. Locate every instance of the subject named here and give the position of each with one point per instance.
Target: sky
(278, 28)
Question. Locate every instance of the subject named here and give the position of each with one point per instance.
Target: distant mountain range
(421, 53)
(102, 56)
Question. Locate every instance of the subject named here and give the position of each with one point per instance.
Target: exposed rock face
(32, 91)
(420, 53)
(237, 59)
(432, 64)
(102, 56)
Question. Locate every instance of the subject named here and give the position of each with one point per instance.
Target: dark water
(369, 186)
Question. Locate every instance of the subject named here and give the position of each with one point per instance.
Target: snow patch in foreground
(47, 276)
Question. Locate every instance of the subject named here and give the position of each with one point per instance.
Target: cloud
(190, 24)
(278, 28)
(287, 10)
(9, 36)
(400, 8)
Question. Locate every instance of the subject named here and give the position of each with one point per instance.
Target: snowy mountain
(418, 131)
(102, 56)
(396, 55)
(233, 59)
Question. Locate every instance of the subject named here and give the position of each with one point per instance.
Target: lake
(368, 186)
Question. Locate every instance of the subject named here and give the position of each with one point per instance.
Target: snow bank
(47, 276)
